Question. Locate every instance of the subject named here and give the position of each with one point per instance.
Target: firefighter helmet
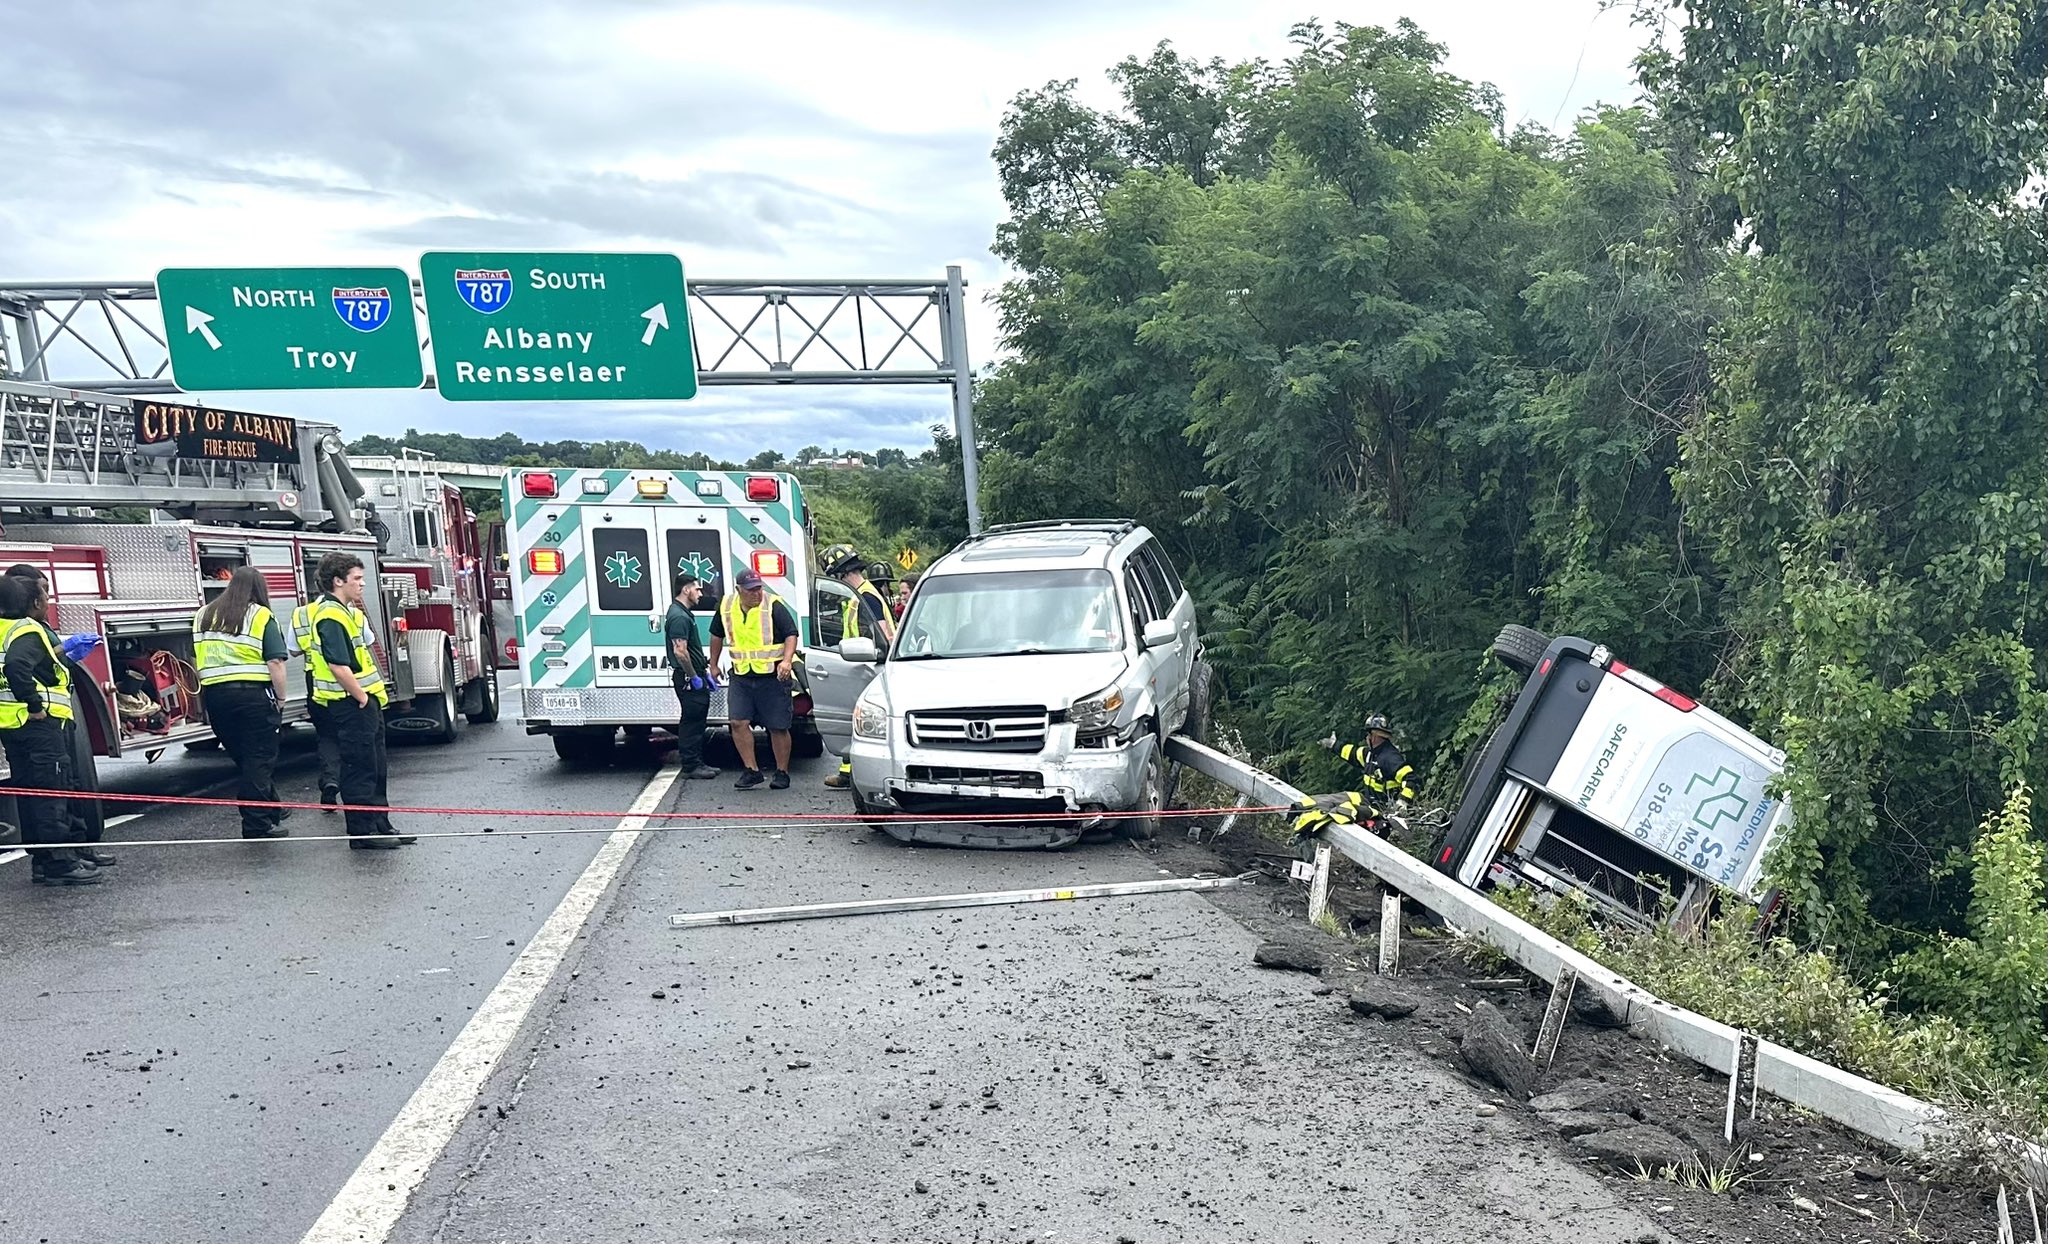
(840, 559)
(1378, 721)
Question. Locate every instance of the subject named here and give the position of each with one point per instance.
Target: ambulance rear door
(622, 568)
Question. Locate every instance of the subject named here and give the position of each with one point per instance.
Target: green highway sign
(551, 326)
(290, 328)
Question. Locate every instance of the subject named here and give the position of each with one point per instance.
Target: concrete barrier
(1862, 1105)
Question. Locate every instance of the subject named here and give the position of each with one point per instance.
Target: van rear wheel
(1520, 648)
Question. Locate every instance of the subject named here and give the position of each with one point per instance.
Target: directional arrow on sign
(656, 317)
(196, 321)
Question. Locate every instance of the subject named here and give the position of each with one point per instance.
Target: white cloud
(786, 140)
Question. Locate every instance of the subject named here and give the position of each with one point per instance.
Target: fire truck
(137, 522)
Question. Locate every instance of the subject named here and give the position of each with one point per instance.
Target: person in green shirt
(692, 674)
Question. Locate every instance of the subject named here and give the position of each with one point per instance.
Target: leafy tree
(1868, 472)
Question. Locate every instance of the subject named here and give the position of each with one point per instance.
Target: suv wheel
(1151, 797)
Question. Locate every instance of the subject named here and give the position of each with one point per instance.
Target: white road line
(112, 821)
(369, 1204)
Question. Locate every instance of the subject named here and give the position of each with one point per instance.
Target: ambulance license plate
(561, 702)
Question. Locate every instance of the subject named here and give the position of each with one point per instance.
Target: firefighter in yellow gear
(1387, 772)
(865, 616)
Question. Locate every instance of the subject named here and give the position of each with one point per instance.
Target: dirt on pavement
(1647, 1121)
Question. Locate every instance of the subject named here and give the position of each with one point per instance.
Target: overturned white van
(1602, 780)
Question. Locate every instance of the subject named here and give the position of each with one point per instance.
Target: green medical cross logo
(622, 569)
(698, 567)
(1723, 804)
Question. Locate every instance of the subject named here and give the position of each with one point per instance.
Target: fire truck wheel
(441, 709)
(487, 709)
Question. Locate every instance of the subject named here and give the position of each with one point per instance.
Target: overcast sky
(755, 140)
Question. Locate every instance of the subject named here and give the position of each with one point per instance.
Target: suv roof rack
(1104, 526)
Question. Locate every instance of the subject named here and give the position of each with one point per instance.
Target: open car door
(835, 682)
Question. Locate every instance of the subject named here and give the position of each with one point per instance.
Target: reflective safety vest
(301, 638)
(849, 615)
(750, 637)
(232, 656)
(327, 688)
(56, 699)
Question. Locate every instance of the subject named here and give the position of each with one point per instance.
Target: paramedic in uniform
(241, 683)
(692, 674)
(867, 615)
(326, 744)
(760, 633)
(82, 834)
(35, 704)
(345, 679)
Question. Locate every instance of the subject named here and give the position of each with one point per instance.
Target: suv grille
(1015, 729)
(1017, 779)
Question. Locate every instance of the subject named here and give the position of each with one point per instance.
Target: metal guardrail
(1861, 1105)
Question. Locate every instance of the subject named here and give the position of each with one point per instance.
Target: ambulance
(1600, 779)
(591, 555)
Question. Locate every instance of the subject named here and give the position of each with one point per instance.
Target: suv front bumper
(1063, 788)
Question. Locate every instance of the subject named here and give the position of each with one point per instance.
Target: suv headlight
(870, 716)
(1096, 714)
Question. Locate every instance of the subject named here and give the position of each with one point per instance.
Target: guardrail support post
(1319, 886)
(1390, 934)
(1744, 1068)
(1554, 1016)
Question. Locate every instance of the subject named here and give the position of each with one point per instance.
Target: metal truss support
(108, 337)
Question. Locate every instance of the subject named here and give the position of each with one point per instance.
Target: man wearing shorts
(759, 632)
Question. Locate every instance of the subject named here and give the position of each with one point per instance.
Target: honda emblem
(980, 732)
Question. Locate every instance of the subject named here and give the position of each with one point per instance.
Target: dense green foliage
(1745, 381)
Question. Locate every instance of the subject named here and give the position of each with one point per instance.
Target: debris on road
(1493, 1050)
(1289, 957)
(1640, 1147)
(1379, 996)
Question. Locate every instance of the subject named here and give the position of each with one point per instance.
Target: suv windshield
(1011, 613)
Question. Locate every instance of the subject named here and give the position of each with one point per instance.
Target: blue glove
(75, 647)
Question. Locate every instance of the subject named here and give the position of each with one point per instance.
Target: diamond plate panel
(403, 586)
(145, 561)
(423, 652)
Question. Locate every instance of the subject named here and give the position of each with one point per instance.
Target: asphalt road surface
(493, 1039)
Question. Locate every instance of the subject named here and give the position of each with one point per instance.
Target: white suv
(1039, 668)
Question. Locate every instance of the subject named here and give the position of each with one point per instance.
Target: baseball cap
(747, 581)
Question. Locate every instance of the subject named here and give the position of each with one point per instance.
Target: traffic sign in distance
(907, 559)
(510, 326)
(290, 328)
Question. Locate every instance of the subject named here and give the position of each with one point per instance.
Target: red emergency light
(763, 488)
(544, 561)
(769, 564)
(538, 483)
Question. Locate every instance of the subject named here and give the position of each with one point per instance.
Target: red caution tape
(1004, 818)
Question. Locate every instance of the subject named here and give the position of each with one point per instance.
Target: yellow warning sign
(907, 559)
